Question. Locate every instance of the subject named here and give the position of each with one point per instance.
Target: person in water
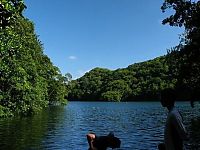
(103, 142)
(175, 131)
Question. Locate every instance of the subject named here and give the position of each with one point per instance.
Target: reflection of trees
(28, 133)
(194, 134)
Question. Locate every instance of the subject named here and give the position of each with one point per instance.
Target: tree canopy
(28, 79)
(184, 59)
(140, 81)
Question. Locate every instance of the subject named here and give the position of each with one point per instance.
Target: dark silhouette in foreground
(175, 131)
(103, 142)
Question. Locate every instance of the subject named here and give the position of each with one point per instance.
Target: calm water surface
(139, 125)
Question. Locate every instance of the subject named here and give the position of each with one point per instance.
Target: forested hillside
(140, 81)
(28, 79)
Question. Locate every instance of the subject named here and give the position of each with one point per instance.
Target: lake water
(139, 125)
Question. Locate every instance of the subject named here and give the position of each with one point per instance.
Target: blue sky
(79, 35)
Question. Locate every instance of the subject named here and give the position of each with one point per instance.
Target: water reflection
(28, 133)
(194, 132)
(138, 125)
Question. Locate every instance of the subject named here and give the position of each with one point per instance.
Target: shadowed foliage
(184, 59)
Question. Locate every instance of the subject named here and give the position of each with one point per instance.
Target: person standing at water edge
(175, 131)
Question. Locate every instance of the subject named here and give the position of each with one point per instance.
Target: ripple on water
(138, 125)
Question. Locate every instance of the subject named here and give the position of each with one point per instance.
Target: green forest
(29, 81)
(140, 81)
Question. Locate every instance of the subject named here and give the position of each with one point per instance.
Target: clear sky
(79, 35)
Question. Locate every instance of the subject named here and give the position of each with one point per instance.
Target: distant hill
(139, 81)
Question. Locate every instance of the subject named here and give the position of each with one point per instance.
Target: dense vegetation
(28, 79)
(184, 59)
(138, 81)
